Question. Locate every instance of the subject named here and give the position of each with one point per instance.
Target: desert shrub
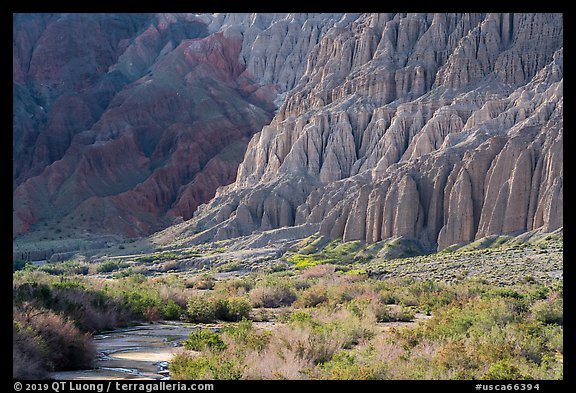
(29, 352)
(232, 309)
(313, 344)
(110, 266)
(346, 365)
(171, 311)
(272, 296)
(505, 292)
(209, 309)
(206, 366)
(169, 266)
(50, 341)
(495, 335)
(91, 310)
(317, 271)
(316, 335)
(475, 316)
(229, 266)
(163, 256)
(235, 286)
(313, 296)
(558, 287)
(175, 294)
(65, 284)
(539, 292)
(548, 311)
(38, 293)
(551, 367)
(201, 339)
(388, 296)
(205, 282)
(504, 370)
(66, 268)
(149, 298)
(408, 299)
(143, 302)
(386, 313)
(244, 335)
(276, 267)
(453, 361)
(238, 286)
(346, 292)
(201, 310)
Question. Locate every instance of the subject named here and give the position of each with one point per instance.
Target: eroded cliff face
(125, 123)
(439, 127)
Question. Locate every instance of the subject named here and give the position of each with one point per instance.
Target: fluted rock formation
(438, 127)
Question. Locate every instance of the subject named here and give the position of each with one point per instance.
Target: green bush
(504, 370)
(233, 309)
(68, 284)
(244, 335)
(144, 303)
(229, 267)
(347, 366)
(505, 292)
(65, 268)
(205, 310)
(110, 266)
(171, 310)
(184, 366)
(548, 311)
(202, 339)
(235, 286)
(201, 310)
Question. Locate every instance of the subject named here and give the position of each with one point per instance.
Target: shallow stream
(138, 352)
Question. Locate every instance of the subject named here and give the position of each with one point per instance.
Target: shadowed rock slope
(442, 128)
(125, 123)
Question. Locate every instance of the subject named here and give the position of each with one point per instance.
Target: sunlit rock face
(439, 127)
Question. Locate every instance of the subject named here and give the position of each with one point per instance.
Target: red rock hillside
(125, 123)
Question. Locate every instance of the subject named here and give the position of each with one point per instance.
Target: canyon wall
(438, 127)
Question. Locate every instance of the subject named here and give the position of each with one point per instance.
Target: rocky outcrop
(275, 46)
(438, 127)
